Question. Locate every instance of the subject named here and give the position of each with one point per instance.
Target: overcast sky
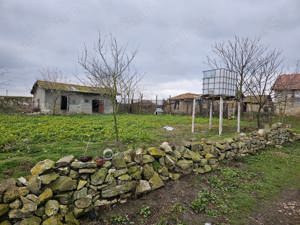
(173, 37)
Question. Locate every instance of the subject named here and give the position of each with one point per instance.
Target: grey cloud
(172, 37)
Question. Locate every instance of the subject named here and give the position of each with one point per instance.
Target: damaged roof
(287, 82)
(186, 96)
(49, 85)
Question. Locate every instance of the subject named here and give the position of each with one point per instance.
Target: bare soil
(285, 209)
(162, 203)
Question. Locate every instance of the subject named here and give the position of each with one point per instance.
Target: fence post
(221, 116)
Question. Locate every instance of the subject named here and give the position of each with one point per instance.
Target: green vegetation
(233, 192)
(28, 139)
(145, 211)
(117, 219)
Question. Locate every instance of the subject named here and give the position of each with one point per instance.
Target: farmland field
(27, 139)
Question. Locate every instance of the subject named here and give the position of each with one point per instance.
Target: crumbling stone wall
(11, 104)
(59, 192)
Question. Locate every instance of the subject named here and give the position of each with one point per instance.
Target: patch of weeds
(145, 211)
(178, 208)
(156, 165)
(204, 199)
(118, 219)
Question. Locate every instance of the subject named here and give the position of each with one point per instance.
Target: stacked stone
(59, 192)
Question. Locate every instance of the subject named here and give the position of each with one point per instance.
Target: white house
(69, 98)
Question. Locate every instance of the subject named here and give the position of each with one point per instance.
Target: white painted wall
(77, 102)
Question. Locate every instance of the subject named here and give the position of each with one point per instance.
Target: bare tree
(259, 83)
(238, 55)
(108, 66)
(297, 70)
(130, 88)
(53, 76)
(2, 76)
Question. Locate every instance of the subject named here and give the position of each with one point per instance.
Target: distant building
(252, 105)
(182, 104)
(287, 94)
(49, 97)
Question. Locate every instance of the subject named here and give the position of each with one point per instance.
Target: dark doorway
(64, 103)
(97, 106)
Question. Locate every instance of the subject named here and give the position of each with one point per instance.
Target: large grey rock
(170, 161)
(120, 172)
(17, 214)
(10, 195)
(83, 203)
(28, 205)
(185, 164)
(63, 183)
(65, 161)
(48, 178)
(64, 198)
(142, 187)
(119, 189)
(118, 161)
(80, 194)
(148, 171)
(195, 156)
(42, 166)
(156, 182)
(46, 194)
(166, 147)
(83, 165)
(34, 220)
(155, 152)
(34, 184)
(98, 177)
(147, 159)
(51, 208)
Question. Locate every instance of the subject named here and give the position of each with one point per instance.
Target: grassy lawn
(28, 139)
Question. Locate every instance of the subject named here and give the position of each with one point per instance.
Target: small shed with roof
(287, 94)
(55, 97)
(183, 103)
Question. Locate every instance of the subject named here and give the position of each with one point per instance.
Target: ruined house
(182, 104)
(287, 94)
(54, 97)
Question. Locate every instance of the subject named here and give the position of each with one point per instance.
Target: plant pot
(107, 154)
(99, 162)
(85, 158)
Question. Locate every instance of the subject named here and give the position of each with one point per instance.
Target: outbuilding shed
(54, 97)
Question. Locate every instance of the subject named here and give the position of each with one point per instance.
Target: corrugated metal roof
(48, 85)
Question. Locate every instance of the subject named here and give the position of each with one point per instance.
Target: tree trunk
(258, 118)
(116, 128)
(239, 117)
(54, 105)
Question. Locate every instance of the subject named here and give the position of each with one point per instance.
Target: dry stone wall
(59, 192)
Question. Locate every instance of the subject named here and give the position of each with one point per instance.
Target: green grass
(26, 140)
(234, 193)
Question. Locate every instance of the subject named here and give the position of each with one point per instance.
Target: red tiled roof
(287, 82)
(185, 96)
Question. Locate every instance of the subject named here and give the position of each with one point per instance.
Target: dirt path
(166, 205)
(285, 209)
